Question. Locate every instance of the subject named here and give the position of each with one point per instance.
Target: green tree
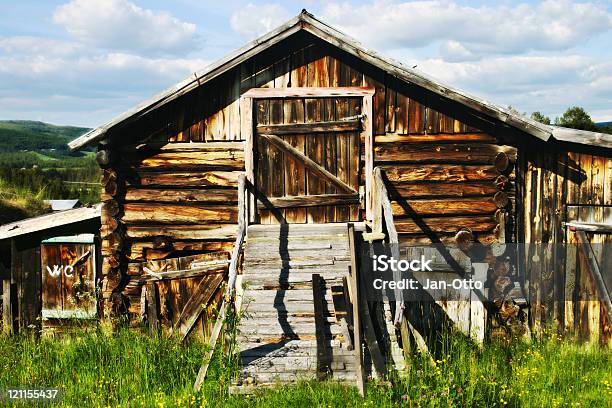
(576, 117)
(540, 117)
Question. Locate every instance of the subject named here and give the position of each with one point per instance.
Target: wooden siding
(558, 186)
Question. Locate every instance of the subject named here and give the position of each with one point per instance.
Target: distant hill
(36, 165)
(25, 135)
(603, 124)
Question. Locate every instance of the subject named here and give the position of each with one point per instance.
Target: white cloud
(468, 32)
(252, 21)
(87, 87)
(529, 83)
(122, 26)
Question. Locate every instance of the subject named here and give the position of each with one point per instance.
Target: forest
(35, 165)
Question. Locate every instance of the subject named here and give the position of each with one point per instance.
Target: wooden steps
(283, 335)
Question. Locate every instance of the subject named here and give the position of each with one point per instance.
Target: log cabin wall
(170, 177)
(559, 185)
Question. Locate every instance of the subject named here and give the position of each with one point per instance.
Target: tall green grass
(129, 369)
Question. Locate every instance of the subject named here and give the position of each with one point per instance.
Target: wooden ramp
(295, 322)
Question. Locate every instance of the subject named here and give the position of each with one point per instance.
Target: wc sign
(59, 269)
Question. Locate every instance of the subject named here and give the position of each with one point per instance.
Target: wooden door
(307, 159)
(68, 280)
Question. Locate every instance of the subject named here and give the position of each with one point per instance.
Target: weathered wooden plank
(391, 105)
(7, 312)
(213, 269)
(431, 120)
(355, 300)
(438, 138)
(262, 183)
(316, 127)
(323, 352)
(225, 159)
(342, 147)
(176, 195)
(309, 92)
(182, 232)
(173, 213)
(275, 156)
(401, 114)
(438, 172)
(195, 178)
(153, 308)
(443, 190)
(216, 332)
(295, 172)
(196, 304)
(439, 206)
(310, 200)
(441, 153)
(445, 224)
(416, 117)
(330, 154)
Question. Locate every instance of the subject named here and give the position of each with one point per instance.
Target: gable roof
(307, 22)
(47, 221)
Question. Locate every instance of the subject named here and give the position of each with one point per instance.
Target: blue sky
(82, 62)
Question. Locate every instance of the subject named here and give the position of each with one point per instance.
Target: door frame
(247, 129)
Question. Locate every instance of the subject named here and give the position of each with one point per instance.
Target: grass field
(132, 370)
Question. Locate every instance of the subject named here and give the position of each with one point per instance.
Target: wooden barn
(272, 167)
(49, 268)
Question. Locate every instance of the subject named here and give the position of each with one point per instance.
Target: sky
(82, 62)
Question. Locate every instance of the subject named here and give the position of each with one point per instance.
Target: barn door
(306, 158)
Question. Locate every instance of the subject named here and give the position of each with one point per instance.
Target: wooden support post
(354, 289)
(246, 131)
(153, 308)
(7, 312)
(323, 349)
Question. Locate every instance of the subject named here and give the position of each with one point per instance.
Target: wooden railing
(228, 300)
(242, 224)
(382, 216)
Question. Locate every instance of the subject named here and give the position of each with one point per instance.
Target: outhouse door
(69, 277)
(305, 149)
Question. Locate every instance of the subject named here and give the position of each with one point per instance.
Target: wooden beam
(309, 163)
(324, 357)
(242, 224)
(214, 336)
(587, 251)
(309, 92)
(196, 304)
(309, 200)
(355, 300)
(213, 268)
(387, 212)
(367, 135)
(316, 127)
(246, 132)
(598, 228)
